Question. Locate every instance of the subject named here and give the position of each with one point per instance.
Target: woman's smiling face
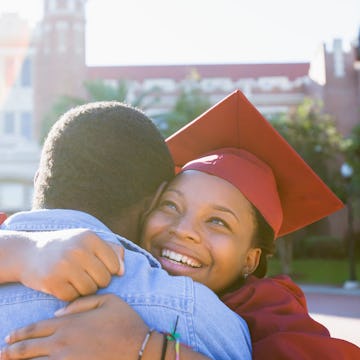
(202, 228)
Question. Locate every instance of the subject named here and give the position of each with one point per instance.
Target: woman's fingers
(69, 263)
(119, 252)
(40, 329)
(86, 264)
(102, 266)
(110, 254)
(25, 349)
(63, 291)
(82, 304)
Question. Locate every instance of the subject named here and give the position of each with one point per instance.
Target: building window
(79, 6)
(62, 28)
(26, 125)
(79, 38)
(10, 71)
(26, 73)
(62, 4)
(9, 123)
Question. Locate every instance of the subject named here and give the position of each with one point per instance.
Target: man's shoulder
(53, 219)
(143, 282)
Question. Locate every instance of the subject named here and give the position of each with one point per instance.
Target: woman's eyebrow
(224, 209)
(173, 190)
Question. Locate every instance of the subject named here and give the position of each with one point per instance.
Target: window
(9, 71)
(62, 28)
(26, 73)
(79, 6)
(9, 123)
(78, 38)
(62, 4)
(26, 125)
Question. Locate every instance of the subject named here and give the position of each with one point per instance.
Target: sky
(134, 32)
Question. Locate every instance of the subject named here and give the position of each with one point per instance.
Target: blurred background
(297, 61)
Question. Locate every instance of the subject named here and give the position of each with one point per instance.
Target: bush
(316, 271)
(320, 247)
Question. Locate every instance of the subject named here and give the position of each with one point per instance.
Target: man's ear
(152, 202)
(36, 176)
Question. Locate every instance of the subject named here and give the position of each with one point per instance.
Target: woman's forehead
(209, 188)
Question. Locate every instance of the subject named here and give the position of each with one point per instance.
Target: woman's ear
(252, 261)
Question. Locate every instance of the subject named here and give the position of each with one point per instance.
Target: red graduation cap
(235, 142)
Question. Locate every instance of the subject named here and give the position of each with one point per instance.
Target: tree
(352, 153)
(96, 90)
(353, 184)
(313, 134)
(190, 104)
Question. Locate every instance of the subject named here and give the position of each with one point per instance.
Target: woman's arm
(13, 247)
(66, 264)
(109, 329)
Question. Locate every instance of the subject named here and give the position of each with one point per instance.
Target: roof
(178, 72)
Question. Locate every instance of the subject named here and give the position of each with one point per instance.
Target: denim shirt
(205, 323)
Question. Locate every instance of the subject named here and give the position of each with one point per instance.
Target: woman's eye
(168, 204)
(218, 221)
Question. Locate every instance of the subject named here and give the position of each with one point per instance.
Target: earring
(245, 273)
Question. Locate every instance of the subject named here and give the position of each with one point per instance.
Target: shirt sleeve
(218, 328)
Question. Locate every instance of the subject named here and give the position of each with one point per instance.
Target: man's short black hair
(101, 158)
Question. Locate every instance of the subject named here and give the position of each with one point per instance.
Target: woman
(206, 225)
(217, 222)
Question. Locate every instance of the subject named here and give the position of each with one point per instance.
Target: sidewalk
(336, 308)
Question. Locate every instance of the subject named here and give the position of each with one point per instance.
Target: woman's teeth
(183, 259)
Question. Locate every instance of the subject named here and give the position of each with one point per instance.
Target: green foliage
(353, 158)
(316, 271)
(63, 104)
(320, 246)
(189, 105)
(315, 137)
(96, 90)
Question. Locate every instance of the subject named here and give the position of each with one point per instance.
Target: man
(100, 167)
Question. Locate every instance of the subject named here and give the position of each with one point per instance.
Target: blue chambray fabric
(205, 323)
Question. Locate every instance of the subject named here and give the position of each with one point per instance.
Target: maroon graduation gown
(276, 312)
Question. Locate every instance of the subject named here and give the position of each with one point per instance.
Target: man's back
(204, 323)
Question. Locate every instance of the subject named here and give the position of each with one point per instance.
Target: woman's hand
(66, 263)
(111, 330)
(94, 327)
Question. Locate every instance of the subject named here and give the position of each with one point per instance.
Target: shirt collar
(58, 219)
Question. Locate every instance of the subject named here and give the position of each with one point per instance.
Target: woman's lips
(177, 263)
(180, 258)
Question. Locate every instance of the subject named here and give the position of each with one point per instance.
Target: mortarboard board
(234, 123)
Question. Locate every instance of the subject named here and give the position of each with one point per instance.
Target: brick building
(38, 65)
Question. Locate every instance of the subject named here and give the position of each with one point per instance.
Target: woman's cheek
(147, 231)
(153, 225)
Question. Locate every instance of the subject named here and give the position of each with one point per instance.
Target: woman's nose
(185, 228)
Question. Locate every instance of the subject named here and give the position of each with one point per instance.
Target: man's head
(103, 158)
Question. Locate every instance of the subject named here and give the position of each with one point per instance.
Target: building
(59, 66)
(38, 65)
(19, 160)
(19, 153)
